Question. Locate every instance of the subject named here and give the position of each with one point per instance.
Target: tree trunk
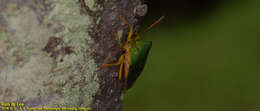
(51, 50)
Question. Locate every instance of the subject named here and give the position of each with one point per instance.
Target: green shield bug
(133, 60)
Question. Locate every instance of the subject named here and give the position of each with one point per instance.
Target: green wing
(138, 56)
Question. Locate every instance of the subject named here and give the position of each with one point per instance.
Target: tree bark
(51, 50)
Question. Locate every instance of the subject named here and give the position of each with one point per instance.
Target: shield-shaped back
(137, 59)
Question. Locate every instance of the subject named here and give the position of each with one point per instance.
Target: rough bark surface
(51, 50)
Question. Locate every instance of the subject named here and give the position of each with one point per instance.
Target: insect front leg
(131, 30)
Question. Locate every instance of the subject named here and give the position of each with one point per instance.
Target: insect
(133, 60)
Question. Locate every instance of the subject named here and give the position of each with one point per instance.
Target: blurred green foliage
(211, 64)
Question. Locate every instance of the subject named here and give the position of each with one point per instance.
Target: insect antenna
(155, 23)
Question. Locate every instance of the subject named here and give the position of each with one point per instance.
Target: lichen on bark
(50, 51)
(47, 61)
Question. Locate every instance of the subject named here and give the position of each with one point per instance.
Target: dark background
(205, 57)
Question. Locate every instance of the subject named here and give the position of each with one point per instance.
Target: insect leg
(120, 61)
(131, 30)
(107, 65)
(121, 69)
